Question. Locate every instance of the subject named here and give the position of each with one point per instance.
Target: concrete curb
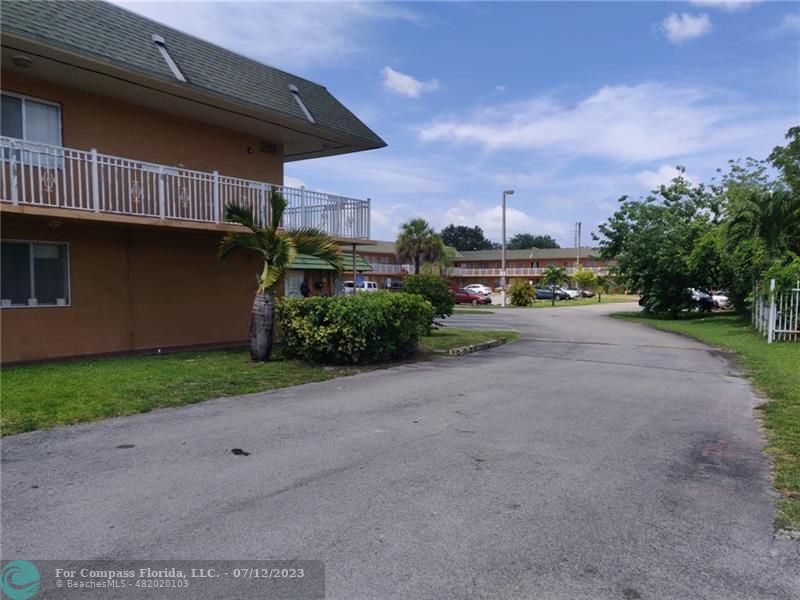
(475, 347)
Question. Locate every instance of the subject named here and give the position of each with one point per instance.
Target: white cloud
(490, 219)
(294, 182)
(639, 123)
(729, 5)
(286, 35)
(406, 85)
(789, 24)
(682, 27)
(651, 180)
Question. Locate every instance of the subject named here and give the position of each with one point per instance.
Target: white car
(479, 288)
(572, 293)
(720, 299)
(364, 286)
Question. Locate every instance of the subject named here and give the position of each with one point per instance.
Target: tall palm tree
(554, 276)
(418, 242)
(278, 248)
(440, 265)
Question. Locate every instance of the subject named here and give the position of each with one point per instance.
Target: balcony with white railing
(65, 178)
(518, 271)
(391, 269)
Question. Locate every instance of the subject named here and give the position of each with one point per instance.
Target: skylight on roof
(300, 103)
(162, 46)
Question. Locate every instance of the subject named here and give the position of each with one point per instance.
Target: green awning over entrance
(304, 262)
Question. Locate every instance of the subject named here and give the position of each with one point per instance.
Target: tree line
(733, 233)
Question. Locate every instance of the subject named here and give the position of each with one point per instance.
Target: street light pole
(503, 265)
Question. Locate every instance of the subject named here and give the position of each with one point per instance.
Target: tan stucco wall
(132, 288)
(126, 130)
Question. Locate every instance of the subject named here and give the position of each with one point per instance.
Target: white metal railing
(776, 314)
(517, 271)
(58, 177)
(391, 269)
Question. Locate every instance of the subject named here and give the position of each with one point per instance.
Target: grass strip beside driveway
(775, 370)
(47, 395)
(450, 337)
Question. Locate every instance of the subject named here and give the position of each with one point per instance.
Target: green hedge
(435, 290)
(362, 328)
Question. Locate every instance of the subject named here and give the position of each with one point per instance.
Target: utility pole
(578, 242)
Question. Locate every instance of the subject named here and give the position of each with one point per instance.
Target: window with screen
(34, 274)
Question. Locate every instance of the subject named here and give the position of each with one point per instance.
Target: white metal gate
(776, 314)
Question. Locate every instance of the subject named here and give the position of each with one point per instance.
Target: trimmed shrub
(435, 290)
(362, 328)
(522, 293)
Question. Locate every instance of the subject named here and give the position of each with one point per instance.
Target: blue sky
(571, 104)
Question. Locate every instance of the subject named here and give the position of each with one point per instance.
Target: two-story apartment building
(384, 264)
(485, 266)
(121, 141)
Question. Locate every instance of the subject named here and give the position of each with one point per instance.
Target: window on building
(33, 122)
(30, 120)
(34, 274)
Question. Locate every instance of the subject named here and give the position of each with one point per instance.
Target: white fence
(776, 314)
(58, 177)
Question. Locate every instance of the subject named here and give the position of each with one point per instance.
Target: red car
(466, 297)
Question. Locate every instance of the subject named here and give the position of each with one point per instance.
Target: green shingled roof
(304, 262)
(109, 33)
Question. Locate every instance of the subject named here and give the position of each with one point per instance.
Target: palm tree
(278, 248)
(554, 276)
(417, 242)
(440, 265)
(772, 216)
(602, 284)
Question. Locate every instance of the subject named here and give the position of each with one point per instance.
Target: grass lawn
(449, 337)
(46, 395)
(775, 370)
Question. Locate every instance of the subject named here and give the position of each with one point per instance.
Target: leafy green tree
(462, 237)
(278, 248)
(418, 242)
(652, 240)
(524, 241)
(435, 290)
(787, 160)
(585, 280)
(554, 276)
(522, 293)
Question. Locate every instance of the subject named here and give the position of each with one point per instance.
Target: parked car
(587, 294)
(394, 286)
(702, 301)
(546, 293)
(572, 292)
(465, 296)
(364, 286)
(479, 288)
(720, 299)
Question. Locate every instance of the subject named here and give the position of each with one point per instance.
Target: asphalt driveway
(593, 459)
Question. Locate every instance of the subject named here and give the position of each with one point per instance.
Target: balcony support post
(162, 192)
(215, 195)
(95, 182)
(14, 178)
